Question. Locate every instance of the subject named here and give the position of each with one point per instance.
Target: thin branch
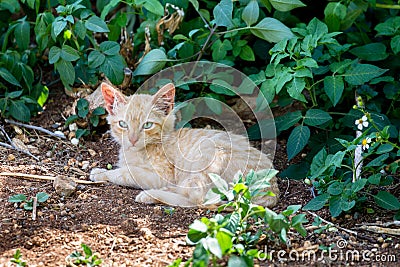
(45, 177)
(36, 128)
(332, 224)
(19, 150)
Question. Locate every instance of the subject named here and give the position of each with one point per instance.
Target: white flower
(361, 123)
(365, 143)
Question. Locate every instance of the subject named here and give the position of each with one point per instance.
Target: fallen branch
(19, 150)
(45, 177)
(380, 230)
(332, 224)
(62, 136)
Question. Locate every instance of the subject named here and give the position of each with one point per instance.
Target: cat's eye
(147, 125)
(123, 124)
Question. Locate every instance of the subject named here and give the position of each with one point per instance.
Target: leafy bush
(233, 237)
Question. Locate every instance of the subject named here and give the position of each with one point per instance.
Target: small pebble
(11, 157)
(385, 245)
(85, 165)
(380, 239)
(75, 141)
(92, 152)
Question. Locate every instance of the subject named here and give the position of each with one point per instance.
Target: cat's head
(139, 120)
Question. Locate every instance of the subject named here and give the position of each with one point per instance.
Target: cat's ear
(112, 97)
(164, 99)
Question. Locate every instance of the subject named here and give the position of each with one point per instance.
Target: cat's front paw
(145, 197)
(98, 175)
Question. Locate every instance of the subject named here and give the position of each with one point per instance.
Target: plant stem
(387, 6)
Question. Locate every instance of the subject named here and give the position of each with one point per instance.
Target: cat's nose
(133, 139)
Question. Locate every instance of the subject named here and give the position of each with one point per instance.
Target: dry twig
(332, 224)
(380, 230)
(12, 145)
(35, 128)
(45, 177)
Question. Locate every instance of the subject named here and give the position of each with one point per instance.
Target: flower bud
(67, 34)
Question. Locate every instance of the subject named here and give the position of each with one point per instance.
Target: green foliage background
(322, 57)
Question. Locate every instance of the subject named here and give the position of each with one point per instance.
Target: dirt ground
(126, 233)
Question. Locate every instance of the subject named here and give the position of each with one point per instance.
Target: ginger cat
(172, 166)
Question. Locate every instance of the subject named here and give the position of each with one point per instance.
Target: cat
(170, 165)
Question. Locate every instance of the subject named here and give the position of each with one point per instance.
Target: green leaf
(96, 24)
(71, 119)
(83, 107)
(43, 96)
(336, 188)
(315, 117)
(271, 30)
(113, 68)
(110, 48)
(95, 59)
(246, 53)
(86, 249)
(80, 29)
(347, 205)
(107, 8)
(362, 73)
(154, 6)
(68, 53)
(387, 201)
(358, 185)
(335, 207)
(286, 121)
(54, 54)
(213, 246)
(94, 120)
(337, 159)
(251, 12)
(151, 63)
(223, 13)
(298, 139)
(317, 203)
(6, 75)
(213, 104)
(220, 183)
(99, 111)
(334, 87)
(81, 132)
(379, 161)
(395, 44)
(375, 179)
(222, 87)
(28, 205)
(67, 72)
(286, 5)
(224, 240)
(57, 27)
(20, 111)
(22, 34)
(14, 94)
(236, 261)
(384, 148)
(295, 88)
(17, 198)
(370, 52)
(42, 197)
